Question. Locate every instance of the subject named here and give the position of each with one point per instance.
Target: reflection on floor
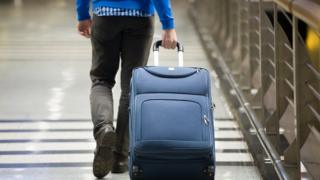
(45, 127)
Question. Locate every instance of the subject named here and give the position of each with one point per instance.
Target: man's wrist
(168, 30)
(167, 24)
(85, 20)
(84, 17)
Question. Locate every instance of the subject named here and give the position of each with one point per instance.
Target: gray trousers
(114, 38)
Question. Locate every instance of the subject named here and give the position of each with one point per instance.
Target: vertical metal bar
(249, 39)
(235, 66)
(245, 62)
(239, 30)
(254, 43)
(273, 125)
(261, 113)
(295, 156)
(302, 98)
(234, 23)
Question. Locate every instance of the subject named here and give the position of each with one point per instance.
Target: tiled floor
(45, 127)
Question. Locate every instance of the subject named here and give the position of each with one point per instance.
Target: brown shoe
(103, 157)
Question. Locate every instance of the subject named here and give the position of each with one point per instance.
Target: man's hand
(169, 39)
(84, 28)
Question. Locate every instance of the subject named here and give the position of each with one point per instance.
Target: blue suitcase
(171, 123)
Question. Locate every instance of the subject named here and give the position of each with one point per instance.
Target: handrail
(266, 62)
(307, 11)
(286, 4)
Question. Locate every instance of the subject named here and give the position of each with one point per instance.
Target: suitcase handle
(156, 46)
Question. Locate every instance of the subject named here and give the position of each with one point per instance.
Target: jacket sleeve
(164, 10)
(83, 8)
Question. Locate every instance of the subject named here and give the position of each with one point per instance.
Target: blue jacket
(163, 8)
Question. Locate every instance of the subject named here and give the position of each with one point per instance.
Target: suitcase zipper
(205, 120)
(204, 154)
(170, 160)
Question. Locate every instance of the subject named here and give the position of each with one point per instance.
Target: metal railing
(274, 71)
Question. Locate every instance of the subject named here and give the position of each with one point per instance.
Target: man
(120, 29)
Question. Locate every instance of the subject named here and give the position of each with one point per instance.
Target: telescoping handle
(156, 46)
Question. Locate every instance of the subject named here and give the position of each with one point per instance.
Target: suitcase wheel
(136, 173)
(210, 171)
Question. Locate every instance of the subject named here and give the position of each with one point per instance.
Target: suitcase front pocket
(171, 119)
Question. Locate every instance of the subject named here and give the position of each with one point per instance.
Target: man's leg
(135, 47)
(106, 39)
